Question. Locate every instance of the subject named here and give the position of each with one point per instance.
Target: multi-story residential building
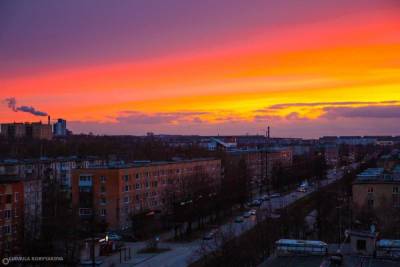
(331, 153)
(35, 130)
(11, 214)
(60, 128)
(375, 189)
(114, 192)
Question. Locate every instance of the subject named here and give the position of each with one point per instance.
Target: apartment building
(11, 214)
(113, 192)
(35, 130)
(375, 189)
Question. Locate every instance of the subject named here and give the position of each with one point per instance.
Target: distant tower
(268, 133)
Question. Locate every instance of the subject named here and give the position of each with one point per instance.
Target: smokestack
(48, 120)
(268, 132)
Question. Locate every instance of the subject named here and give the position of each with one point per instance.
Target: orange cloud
(354, 58)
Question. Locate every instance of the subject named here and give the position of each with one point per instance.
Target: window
(395, 190)
(103, 201)
(147, 184)
(155, 184)
(102, 188)
(396, 200)
(85, 211)
(370, 203)
(126, 188)
(16, 196)
(103, 212)
(137, 197)
(8, 199)
(370, 189)
(7, 229)
(137, 176)
(125, 178)
(361, 244)
(102, 179)
(85, 178)
(7, 214)
(126, 199)
(137, 186)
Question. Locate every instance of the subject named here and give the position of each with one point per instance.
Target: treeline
(119, 147)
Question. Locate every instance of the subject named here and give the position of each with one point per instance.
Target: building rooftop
(300, 242)
(388, 243)
(145, 163)
(378, 175)
(298, 261)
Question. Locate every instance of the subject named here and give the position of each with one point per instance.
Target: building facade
(35, 130)
(60, 128)
(375, 190)
(114, 193)
(11, 215)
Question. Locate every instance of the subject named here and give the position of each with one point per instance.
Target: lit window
(103, 212)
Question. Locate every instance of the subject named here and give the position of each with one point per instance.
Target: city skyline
(207, 68)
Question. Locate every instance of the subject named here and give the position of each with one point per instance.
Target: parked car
(265, 197)
(302, 189)
(255, 203)
(113, 236)
(239, 219)
(210, 235)
(247, 214)
(253, 212)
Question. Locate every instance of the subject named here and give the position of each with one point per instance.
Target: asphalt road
(182, 254)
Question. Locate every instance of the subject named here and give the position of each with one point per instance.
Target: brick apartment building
(11, 214)
(114, 192)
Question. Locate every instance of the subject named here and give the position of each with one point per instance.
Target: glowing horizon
(339, 75)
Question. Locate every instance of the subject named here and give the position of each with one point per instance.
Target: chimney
(48, 120)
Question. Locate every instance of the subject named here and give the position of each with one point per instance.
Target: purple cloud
(384, 112)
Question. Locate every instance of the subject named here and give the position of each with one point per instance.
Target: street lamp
(106, 238)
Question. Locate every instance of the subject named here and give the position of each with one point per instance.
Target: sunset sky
(306, 68)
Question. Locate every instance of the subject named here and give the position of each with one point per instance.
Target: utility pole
(267, 180)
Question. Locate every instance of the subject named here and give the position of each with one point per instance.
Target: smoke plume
(12, 104)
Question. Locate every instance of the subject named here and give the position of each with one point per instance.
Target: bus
(289, 247)
(388, 249)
